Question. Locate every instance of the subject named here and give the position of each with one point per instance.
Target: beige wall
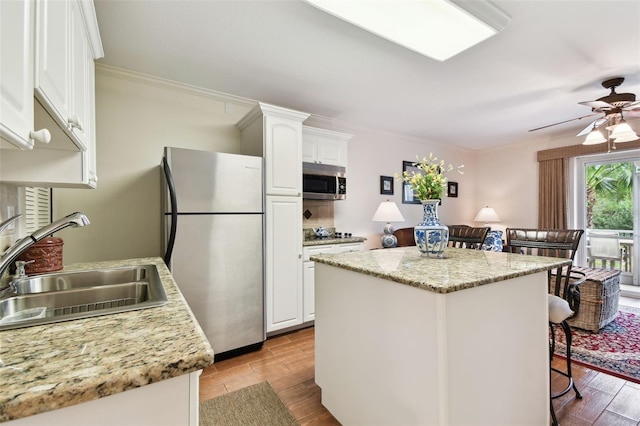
(372, 154)
(137, 117)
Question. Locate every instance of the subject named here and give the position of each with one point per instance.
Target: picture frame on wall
(386, 185)
(452, 189)
(408, 196)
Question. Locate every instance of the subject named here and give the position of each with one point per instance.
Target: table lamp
(388, 212)
(487, 215)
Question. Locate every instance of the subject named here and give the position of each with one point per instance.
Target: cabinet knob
(42, 136)
(74, 121)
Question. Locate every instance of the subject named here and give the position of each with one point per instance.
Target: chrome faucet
(9, 222)
(74, 220)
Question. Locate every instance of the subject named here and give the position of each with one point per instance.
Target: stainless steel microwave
(323, 182)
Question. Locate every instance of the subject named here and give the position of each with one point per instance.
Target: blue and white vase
(431, 235)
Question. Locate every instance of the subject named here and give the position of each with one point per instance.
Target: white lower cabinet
(174, 402)
(283, 271)
(308, 281)
(308, 296)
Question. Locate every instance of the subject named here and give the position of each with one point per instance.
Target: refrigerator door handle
(174, 212)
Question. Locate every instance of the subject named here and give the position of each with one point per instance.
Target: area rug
(256, 405)
(614, 350)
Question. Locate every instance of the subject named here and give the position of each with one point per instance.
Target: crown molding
(154, 81)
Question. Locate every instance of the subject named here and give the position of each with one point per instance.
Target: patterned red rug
(614, 350)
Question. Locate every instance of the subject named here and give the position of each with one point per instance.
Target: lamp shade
(486, 215)
(388, 212)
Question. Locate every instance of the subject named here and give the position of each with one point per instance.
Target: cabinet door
(309, 304)
(283, 156)
(52, 57)
(309, 148)
(16, 69)
(90, 173)
(332, 151)
(283, 217)
(80, 59)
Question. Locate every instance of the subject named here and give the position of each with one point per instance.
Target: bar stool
(564, 287)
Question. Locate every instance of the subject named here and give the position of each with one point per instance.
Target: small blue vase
(431, 235)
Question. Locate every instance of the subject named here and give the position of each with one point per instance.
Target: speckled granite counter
(48, 367)
(460, 268)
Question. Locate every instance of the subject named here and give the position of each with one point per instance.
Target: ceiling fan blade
(633, 106)
(597, 104)
(562, 122)
(593, 125)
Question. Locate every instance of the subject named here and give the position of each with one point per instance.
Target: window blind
(37, 208)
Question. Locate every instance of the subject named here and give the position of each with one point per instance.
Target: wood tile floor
(287, 362)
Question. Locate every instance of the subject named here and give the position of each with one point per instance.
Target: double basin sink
(64, 296)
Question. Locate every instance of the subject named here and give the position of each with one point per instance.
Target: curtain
(552, 196)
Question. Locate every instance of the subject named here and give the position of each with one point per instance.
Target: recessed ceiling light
(438, 29)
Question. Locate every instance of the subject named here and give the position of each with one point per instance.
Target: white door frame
(577, 216)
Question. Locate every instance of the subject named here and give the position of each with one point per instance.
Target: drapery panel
(552, 194)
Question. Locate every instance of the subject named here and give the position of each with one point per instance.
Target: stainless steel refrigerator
(214, 222)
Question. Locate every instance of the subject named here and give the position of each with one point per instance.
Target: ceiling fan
(611, 106)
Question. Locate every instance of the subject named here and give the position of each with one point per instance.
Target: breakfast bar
(406, 339)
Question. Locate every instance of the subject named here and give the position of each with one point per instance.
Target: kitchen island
(405, 339)
(137, 367)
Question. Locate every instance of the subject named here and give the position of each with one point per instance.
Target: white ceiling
(552, 55)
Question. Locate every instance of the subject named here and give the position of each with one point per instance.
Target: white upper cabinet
(80, 72)
(275, 133)
(61, 77)
(16, 69)
(283, 155)
(53, 58)
(324, 146)
(53, 62)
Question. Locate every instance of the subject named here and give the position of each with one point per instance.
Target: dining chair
(563, 287)
(462, 236)
(405, 237)
(605, 247)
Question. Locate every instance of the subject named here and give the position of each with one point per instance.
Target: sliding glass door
(606, 200)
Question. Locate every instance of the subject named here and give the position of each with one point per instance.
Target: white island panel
(390, 353)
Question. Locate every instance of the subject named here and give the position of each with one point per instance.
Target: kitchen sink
(64, 296)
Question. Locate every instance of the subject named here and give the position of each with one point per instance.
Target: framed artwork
(452, 189)
(386, 185)
(408, 196)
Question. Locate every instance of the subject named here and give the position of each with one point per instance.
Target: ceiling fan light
(622, 129)
(626, 137)
(594, 137)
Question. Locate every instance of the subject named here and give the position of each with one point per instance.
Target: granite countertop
(460, 269)
(329, 240)
(52, 366)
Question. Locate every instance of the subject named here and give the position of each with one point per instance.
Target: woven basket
(598, 299)
(599, 296)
